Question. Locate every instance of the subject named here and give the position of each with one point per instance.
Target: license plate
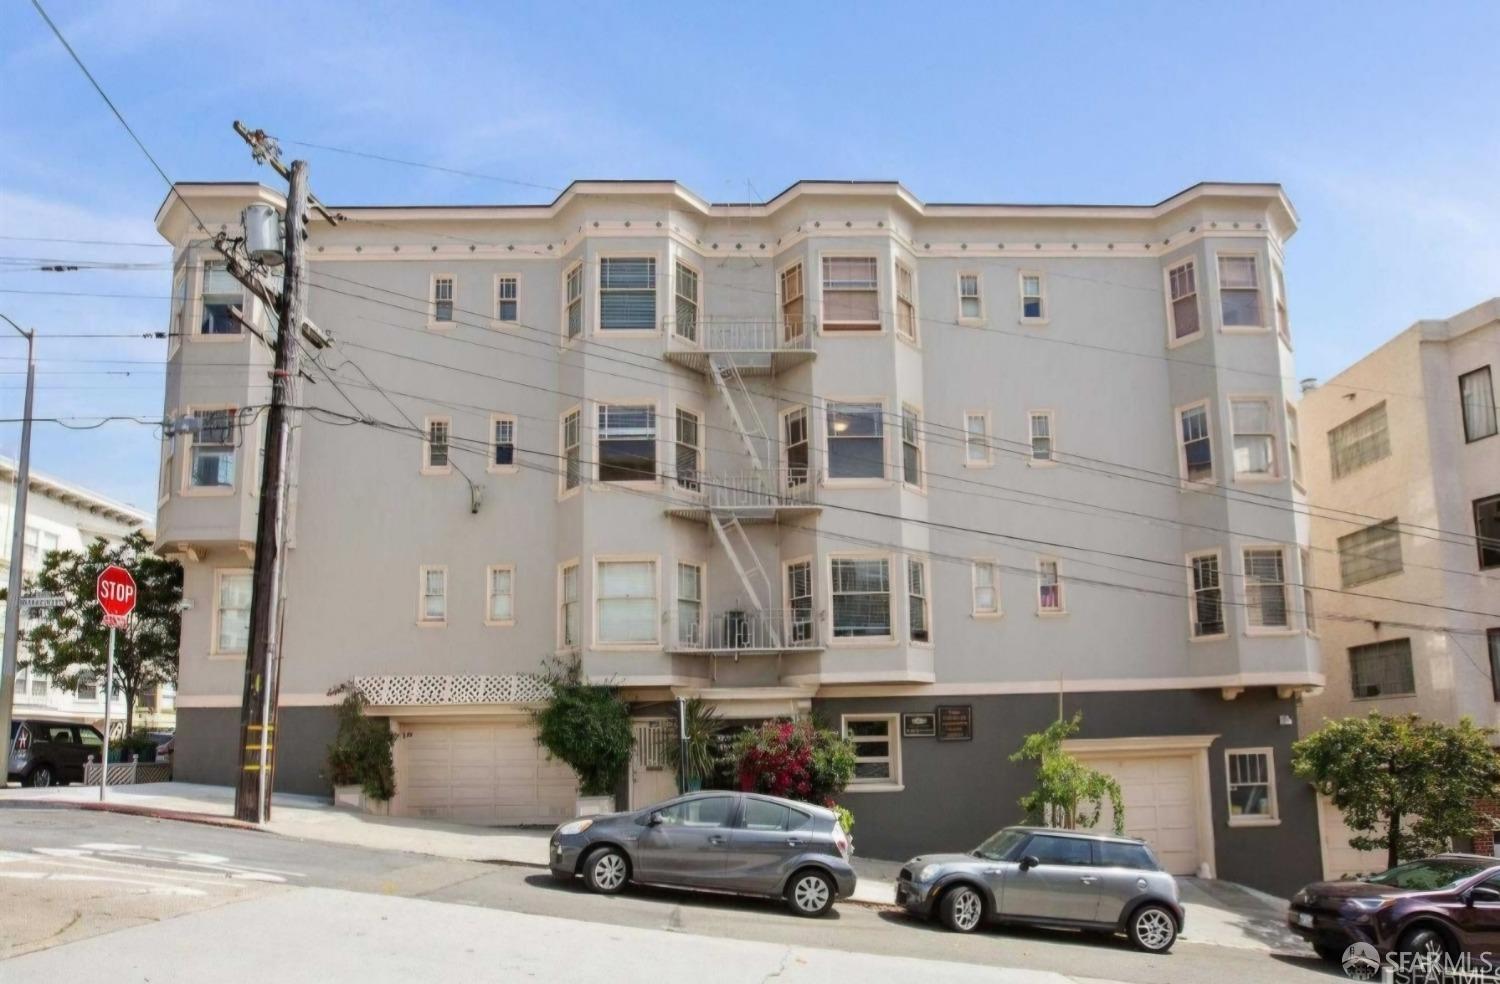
(1305, 919)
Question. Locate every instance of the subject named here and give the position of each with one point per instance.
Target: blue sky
(1380, 119)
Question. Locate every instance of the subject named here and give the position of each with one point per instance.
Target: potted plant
(588, 727)
(360, 764)
(696, 760)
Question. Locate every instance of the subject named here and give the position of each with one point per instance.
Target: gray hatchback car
(1045, 877)
(720, 841)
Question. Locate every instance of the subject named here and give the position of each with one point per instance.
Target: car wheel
(606, 871)
(1153, 929)
(40, 777)
(810, 893)
(1332, 952)
(1423, 941)
(962, 909)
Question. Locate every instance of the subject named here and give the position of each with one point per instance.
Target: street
(183, 901)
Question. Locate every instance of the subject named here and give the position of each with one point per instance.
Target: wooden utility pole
(258, 715)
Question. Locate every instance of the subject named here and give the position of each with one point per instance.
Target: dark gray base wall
(957, 793)
(208, 740)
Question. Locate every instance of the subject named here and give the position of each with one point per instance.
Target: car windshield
(1422, 876)
(998, 845)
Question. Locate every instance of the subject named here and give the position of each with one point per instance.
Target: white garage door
(492, 773)
(1161, 805)
(1339, 859)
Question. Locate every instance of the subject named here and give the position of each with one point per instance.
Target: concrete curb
(136, 811)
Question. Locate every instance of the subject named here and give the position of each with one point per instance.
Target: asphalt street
(71, 876)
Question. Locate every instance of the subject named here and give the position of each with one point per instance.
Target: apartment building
(1404, 464)
(63, 516)
(929, 472)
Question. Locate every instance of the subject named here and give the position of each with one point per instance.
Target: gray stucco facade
(207, 748)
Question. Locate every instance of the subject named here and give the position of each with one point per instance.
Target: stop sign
(116, 593)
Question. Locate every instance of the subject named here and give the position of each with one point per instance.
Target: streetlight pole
(17, 546)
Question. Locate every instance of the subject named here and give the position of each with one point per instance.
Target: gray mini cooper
(1044, 877)
(720, 841)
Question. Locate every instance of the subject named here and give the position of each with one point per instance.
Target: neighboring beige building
(1402, 460)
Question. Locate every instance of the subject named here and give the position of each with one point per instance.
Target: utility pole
(17, 548)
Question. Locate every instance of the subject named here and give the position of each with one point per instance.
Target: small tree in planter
(1068, 794)
(360, 755)
(588, 727)
(796, 760)
(696, 761)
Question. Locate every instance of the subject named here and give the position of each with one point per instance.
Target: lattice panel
(431, 689)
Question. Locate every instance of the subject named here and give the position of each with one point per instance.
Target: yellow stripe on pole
(256, 748)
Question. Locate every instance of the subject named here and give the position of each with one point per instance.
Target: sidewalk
(1218, 913)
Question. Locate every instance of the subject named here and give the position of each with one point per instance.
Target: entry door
(690, 844)
(1064, 886)
(651, 777)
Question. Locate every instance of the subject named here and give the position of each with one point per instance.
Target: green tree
(70, 642)
(1409, 786)
(361, 750)
(1068, 794)
(588, 727)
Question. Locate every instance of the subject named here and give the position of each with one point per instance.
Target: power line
(84, 242)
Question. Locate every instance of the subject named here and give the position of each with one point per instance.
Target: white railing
(772, 488)
(128, 773)
(746, 631)
(715, 335)
(406, 689)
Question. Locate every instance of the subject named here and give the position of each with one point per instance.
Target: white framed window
(799, 601)
(502, 443)
(877, 749)
(1265, 588)
(685, 313)
(1294, 444)
(179, 328)
(435, 446)
(970, 300)
(231, 631)
(1278, 289)
(1041, 426)
(689, 461)
(851, 293)
(88, 687)
(500, 596)
(911, 447)
(165, 474)
(1206, 601)
(1195, 443)
(444, 287)
(1359, 441)
(625, 608)
(36, 544)
(211, 454)
(627, 293)
(1182, 295)
(569, 629)
(1033, 297)
(793, 303)
(1049, 587)
(796, 447)
(1309, 611)
(1370, 554)
(432, 605)
(1251, 785)
(221, 292)
(986, 588)
(977, 449)
(573, 302)
(570, 440)
(626, 441)
(861, 593)
(918, 609)
(906, 303)
(856, 440)
(1477, 395)
(1382, 669)
(507, 297)
(1239, 292)
(690, 604)
(1254, 437)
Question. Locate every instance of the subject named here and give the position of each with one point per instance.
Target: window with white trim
(689, 450)
(626, 611)
(87, 687)
(976, 439)
(1251, 784)
(221, 292)
(986, 585)
(911, 447)
(36, 544)
(502, 441)
(686, 311)
(799, 600)
(1359, 441)
(877, 755)
(627, 443)
(568, 628)
(1208, 595)
(1254, 437)
(793, 303)
(435, 445)
(851, 293)
(573, 301)
(167, 476)
(1477, 394)
(1265, 588)
(795, 438)
(179, 308)
(434, 594)
(1196, 442)
(919, 613)
(627, 293)
(970, 302)
(1239, 292)
(442, 298)
(856, 440)
(1033, 300)
(861, 597)
(1278, 288)
(1040, 423)
(232, 593)
(906, 304)
(1487, 531)
(212, 450)
(1048, 587)
(1382, 669)
(1370, 553)
(1309, 612)
(500, 600)
(1182, 286)
(572, 425)
(1294, 443)
(507, 298)
(690, 604)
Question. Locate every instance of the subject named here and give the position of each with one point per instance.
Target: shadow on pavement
(1310, 962)
(674, 896)
(1038, 933)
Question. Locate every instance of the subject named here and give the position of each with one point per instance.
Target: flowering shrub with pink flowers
(794, 759)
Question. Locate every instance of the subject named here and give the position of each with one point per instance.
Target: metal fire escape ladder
(725, 373)
(752, 575)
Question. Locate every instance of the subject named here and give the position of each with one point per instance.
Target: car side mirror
(1029, 861)
(1482, 893)
(654, 820)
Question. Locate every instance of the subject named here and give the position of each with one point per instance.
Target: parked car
(723, 841)
(166, 744)
(1040, 876)
(46, 752)
(1448, 904)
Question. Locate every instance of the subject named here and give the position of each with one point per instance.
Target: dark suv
(48, 753)
(1444, 905)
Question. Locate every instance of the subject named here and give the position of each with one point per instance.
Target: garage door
(1161, 805)
(492, 773)
(1339, 859)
